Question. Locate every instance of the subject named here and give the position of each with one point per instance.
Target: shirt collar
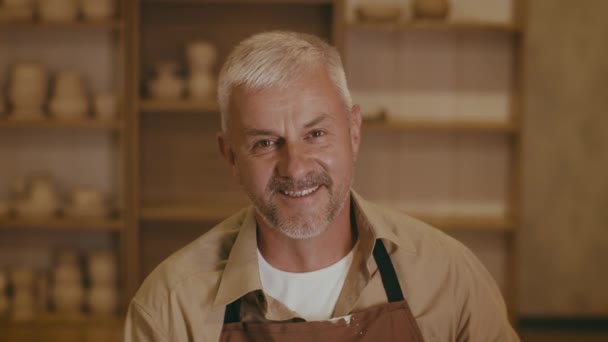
(241, 274)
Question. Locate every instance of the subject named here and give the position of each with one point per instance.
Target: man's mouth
(300, 193)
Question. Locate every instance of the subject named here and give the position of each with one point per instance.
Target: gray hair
(273, 59)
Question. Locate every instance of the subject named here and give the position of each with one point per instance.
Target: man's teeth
(301, 192)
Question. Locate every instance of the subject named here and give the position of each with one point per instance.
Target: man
(311, 259)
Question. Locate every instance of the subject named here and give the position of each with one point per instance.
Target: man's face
(292, 150)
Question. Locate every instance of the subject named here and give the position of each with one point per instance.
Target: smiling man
(310, 260)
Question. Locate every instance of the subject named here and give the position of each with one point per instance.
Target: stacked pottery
(69, 100)
(23, 306)
(17, 9)
(102, 297)
(3, 297)
(95, 10)
(42, 200)
(167, 85)
(27, 90)
(86, 203)
(58, 11)
(202, 57)
(67, 292)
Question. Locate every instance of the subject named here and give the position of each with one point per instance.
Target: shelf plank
(482, 222)
(442, 125)
(53, 123)
(179, 106)
(437, 25)
(189, 212)
(75, 25)
(61, 224)
(216, 212)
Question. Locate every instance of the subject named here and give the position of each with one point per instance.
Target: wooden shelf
(436, 25)
(61, 224)
(178, 106)
(480, 223)
(189, 212)
(72, 124)
(76, 25)
(442, 126)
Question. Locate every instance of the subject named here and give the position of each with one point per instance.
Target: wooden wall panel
(564, 235)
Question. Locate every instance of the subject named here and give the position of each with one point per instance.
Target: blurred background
(485, 118)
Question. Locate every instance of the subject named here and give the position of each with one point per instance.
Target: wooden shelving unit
(173, 175)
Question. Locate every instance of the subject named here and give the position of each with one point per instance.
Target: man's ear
(226, 150)
(355, 128)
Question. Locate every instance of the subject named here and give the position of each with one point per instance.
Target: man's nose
(294, 162)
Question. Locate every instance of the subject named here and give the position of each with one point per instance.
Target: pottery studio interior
(482, 118)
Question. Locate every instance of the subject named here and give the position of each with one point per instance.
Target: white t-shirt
(312, 295)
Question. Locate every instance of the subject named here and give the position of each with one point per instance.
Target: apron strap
(387, 272)
(233, 312)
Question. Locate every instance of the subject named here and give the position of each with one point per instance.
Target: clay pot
(201, 86)
(69, 108)
(41, 201)
(58, 10)
(67, 275)
(23, 306)
(98, 9)
(69, 84)
(27, 90)
(166, 85)
(430, 9)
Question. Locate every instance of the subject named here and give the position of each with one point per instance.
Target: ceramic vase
(23, 304)
(102, 300)
(431, 9)
(201, 86)
(27, 90)
(86, 203)
(167, 85)
(102, 268)
(201, 55)
(69, 99)
(68, 299)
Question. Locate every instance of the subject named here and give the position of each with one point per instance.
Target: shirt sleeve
(483, 315)
(140, 326)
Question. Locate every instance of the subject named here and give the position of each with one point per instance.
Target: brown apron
(387, 322)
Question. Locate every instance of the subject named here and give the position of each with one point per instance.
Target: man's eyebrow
(317, 120)
(257, 132)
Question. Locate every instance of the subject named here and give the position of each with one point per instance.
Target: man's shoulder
(195, 268)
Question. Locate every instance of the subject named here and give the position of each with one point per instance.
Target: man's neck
(306, 255)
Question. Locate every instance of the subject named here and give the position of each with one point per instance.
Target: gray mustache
(280, 184)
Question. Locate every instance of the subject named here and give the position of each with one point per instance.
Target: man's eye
(264, 143)
(317, 133)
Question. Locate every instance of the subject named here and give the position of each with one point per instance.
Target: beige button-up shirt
(450, 293)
